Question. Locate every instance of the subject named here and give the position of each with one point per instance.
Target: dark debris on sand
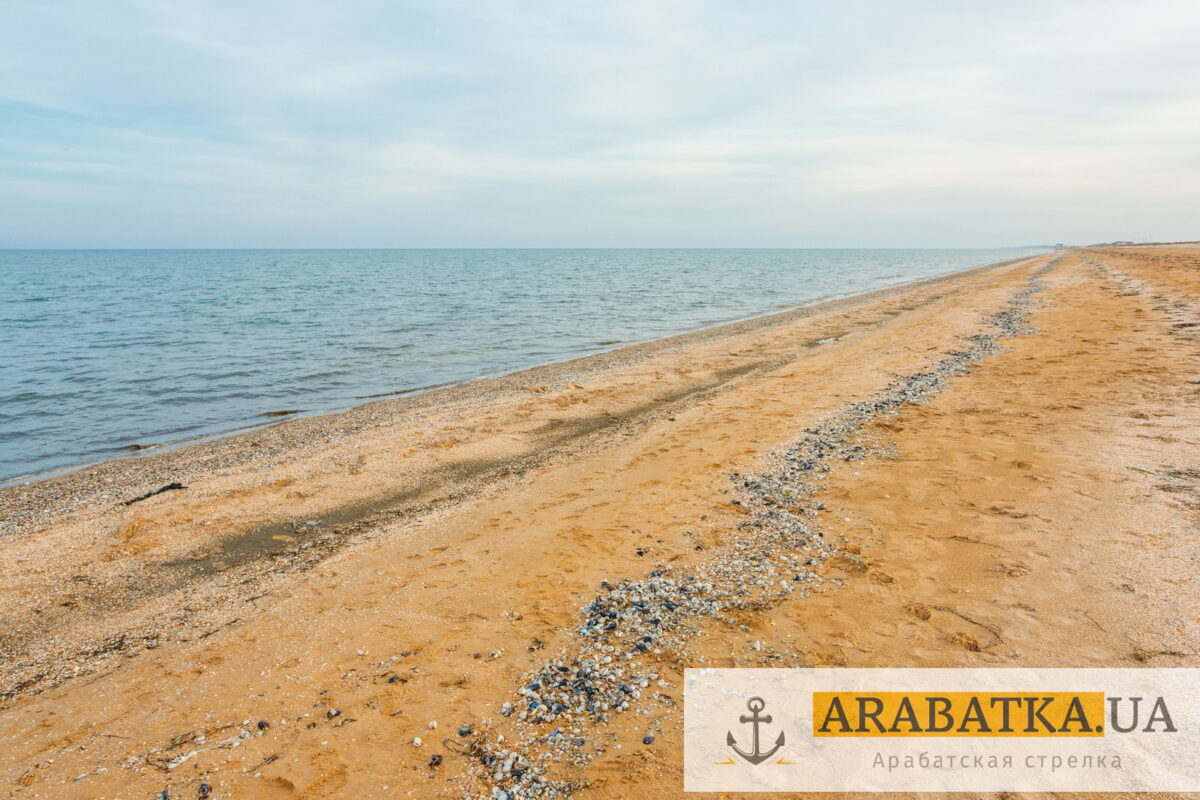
(632, 622)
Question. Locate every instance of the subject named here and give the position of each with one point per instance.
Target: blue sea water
(104, 349)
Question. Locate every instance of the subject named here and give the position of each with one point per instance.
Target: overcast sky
(170, 123)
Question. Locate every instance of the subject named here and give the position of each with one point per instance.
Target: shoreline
(942, 475)
(156, 449)
(125, 438)
(552, 414)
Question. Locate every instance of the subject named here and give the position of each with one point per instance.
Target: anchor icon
(756, 705)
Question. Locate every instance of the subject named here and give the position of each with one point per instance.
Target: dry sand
(350, 579)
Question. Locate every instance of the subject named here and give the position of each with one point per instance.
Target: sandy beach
(995, 468)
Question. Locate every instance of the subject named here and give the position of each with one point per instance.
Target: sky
(551, 123)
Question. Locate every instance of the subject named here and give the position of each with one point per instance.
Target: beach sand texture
(348, 580)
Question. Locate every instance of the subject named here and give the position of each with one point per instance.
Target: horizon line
(581, 247)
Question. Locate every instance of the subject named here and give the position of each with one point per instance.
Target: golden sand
(410, 561)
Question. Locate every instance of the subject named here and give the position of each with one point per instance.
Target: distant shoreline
(139, 452)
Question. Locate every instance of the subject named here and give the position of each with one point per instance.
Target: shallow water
(102, 350)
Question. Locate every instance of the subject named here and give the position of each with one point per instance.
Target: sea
(103, 352)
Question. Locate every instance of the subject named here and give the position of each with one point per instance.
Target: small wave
(287, 412)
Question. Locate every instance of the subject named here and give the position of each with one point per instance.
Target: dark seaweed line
(776, 555)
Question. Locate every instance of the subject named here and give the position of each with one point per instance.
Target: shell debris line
(608, 668)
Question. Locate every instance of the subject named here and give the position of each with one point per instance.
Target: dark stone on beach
(464, 730)
(170, 487)
(397, 678)
(333, 712)
(263, 724)
(203, 791)
(436, 760)
(648, 738)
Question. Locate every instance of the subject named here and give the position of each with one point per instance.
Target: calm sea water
(104, 349)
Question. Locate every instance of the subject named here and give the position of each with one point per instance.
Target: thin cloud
(631, 123)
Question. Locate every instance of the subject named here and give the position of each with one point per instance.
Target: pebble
(778, 537)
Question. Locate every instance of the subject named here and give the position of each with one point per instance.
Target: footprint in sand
(1004, 510)
(879, 576)
(919, 611)
(966, 641)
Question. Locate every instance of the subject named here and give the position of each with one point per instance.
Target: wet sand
(350, 579)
